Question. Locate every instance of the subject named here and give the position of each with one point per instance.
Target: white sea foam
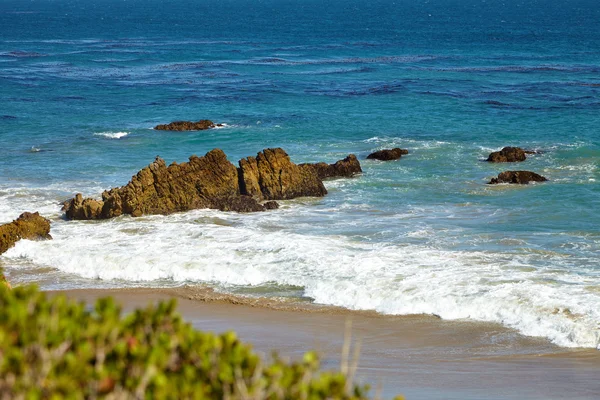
(233, 249)
(222, 126)
(112, 135)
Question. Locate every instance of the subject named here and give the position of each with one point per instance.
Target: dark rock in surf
(387, 154)
(517, 177)
(187, 126)
(30, 226)
(270, 205)
(272, 176)
(346, 168)
(241, 203)
(508, 154)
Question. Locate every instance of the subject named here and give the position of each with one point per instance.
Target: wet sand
(421, 357)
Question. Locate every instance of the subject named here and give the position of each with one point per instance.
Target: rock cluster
(187, 126)
(509, 154)
(28, 226)
(517, 177)
(388, 154)
(210, 181)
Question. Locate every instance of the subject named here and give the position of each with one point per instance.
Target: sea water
(82, 83)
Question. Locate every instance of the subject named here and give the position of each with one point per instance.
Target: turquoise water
(81, 86)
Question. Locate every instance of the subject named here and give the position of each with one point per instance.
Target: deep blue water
(82, 83)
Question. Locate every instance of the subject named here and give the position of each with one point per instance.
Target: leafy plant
(57, 348)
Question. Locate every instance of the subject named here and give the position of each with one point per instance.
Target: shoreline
(419, 356)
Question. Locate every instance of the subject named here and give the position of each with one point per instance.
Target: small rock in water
(517, 177)
(345, 168)
(271, 205)
(508, 154)
(187, 126)
(387, 154)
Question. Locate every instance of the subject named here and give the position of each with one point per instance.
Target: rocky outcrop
(387, 154)
(30, 226)
(345, 168)
(210, 181)
(509, 154)
(187, 126)
(517, 177)
(272, 176)
(213, 182)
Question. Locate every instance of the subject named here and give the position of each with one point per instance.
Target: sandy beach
(421, 357)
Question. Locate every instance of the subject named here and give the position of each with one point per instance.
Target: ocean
(82, 84)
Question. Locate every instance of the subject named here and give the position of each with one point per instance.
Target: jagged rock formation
(210, 181)
(387, 154)
(187, 126)
(517, 177)
(345, 168)
(509, 154)
(272, 176)
(203, 182)
(28, 226)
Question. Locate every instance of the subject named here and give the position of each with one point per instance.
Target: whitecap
(223, 126)
(112, 135)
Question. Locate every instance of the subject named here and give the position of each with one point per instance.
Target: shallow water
(82, 84)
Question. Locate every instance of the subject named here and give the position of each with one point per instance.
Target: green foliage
(58, 348)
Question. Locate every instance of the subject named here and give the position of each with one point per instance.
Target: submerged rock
(187, 126)
(272, 176)
(30, 226)
(517, 177)
(508, 154)
(345, 168)
(387, 154)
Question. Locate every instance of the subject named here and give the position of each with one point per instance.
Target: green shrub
(57, 348)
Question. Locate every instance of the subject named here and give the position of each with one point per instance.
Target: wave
(112, 135)
(230, 250)
(22, 54)
(518, 68)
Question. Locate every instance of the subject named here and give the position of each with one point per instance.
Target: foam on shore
(232, 250)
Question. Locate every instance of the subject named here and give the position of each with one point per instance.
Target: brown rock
(517, 177)
(80, 208)
(345, 168)
(187, 126)
(210, 181)
(388, 154)
(508, 154)
(30, 226)
(272, 176)
(241, 203)
(213, 182)
(271, 205)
